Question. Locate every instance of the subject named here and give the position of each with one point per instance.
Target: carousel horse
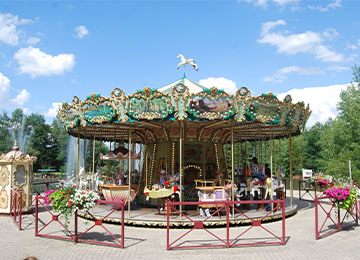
(98, 179)
(256, 185)
(203, 212)
(68, 182)
(276, 184)
(186, 61)
(82, 179)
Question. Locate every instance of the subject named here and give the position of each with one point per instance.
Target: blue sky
(53, 50)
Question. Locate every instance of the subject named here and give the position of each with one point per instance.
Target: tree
(5, 136)
(349, 105)
(43, 145)
(62, 139)
(312, 147)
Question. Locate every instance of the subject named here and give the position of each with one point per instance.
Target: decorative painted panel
(212, 104)
(149, 104)
(265, 109)
(98, 109)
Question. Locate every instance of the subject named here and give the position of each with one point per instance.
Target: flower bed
(322, 182)
(343, 196)
(69, 199)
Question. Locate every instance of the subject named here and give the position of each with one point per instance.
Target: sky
(51, 51)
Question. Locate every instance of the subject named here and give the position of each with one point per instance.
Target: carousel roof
(152, 114)
(192, 86)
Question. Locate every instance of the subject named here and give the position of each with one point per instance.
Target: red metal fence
(226, 237)
(16, 203)
(77, 233)
(46, 185)
(305, 189)
(334, 219)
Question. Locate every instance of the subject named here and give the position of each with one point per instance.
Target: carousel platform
(150, 217)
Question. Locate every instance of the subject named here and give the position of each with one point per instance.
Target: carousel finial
(15, 147)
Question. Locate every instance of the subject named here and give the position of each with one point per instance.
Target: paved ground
(144, 243)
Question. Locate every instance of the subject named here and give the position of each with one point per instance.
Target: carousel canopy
(151, 114)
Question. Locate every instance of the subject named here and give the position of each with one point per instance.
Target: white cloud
(227, 85)
(26, 111)
(5, 101)
(322, 101)
(330, 34)
(333, 5)
(52, 112)
(281, 3)
(351, 46)
(308, 42)
(4, 90)
(9, 34)
(337, 68)
(81, 31)
(281, 74)
(32, 40)
(36, 63)
(21, 98)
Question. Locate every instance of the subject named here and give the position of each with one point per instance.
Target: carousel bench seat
(210, 183)
(117, 193)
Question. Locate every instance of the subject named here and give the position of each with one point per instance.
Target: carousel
(189, 140)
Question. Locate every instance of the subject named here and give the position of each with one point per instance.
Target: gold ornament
(4, 176)
(4, 199)
(268, 182)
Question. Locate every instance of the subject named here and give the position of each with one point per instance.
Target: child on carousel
(162, 178)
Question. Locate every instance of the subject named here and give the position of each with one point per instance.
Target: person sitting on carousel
(162, 178)
(162, 184)
(257, 171)
(243, 182)
(175, 178)
(219, 180)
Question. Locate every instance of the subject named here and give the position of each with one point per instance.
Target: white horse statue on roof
(186, 61)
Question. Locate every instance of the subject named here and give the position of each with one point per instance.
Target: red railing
(99, 222)
(335, 219)
(306, 190)
(16, 203)
(224, 236)
(46, 186)
(74, 234)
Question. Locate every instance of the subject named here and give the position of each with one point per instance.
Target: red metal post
(11, 201)
(356, 212)
(227, 226)
(316, 219)
(167, 226)
(20, 209)
(15, 207)
(122, 224)
(338, 217)
(76, 227)
(283, 221)
(36, 215)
